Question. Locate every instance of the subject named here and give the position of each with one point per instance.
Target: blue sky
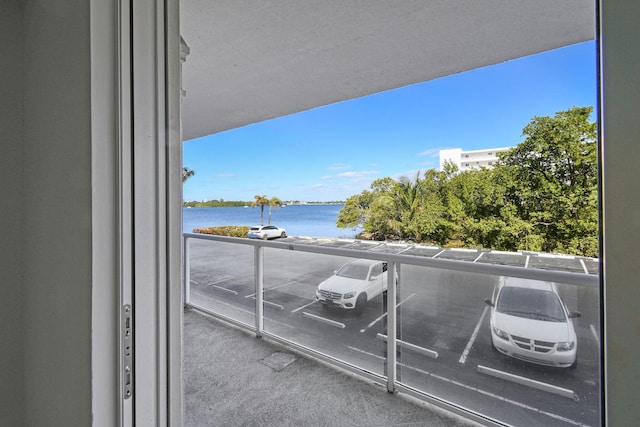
(333, 152)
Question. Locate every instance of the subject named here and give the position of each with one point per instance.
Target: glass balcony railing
(504, 338)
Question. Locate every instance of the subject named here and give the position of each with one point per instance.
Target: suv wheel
(360, 303)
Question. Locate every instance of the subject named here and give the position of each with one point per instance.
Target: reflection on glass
(222, 279)
(330, 304)
(498, 346)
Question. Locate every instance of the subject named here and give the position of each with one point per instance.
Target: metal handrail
(578, 279)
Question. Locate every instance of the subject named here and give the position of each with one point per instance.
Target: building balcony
(322, 362)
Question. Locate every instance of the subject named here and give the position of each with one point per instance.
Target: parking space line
(218, 301)
(426, 247)
(505, 253)
(526, 263)
(495, 396)
(409, 346)
(365, 352)
(224, 289)
(382, 316)
(271, 289)
(436, 255)
(474, 335)
(219, 281)
(550, 388)
(595, 334)
(271, 304)
(584, 267)
(304, 306)
(324, 320)
(478, 257)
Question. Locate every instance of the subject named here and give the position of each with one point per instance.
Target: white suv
(353, 285)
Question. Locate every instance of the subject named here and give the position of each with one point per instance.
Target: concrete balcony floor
(231, 378)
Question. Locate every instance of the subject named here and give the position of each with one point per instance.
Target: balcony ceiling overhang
(251, 61)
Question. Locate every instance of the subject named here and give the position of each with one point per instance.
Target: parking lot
(443, 324)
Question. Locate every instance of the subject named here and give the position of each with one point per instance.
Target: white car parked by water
(353, 285)
(266, 232)
(530, 322)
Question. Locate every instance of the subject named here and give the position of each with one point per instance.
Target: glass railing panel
(446, 349)
(221, 278)
(307, 302)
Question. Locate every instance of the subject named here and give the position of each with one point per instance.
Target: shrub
(225, 230)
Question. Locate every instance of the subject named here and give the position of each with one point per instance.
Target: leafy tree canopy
(541, 196)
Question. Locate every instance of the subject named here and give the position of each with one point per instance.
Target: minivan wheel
(360, 302)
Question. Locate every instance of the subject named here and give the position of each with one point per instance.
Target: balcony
(320, 364)
(231, 378)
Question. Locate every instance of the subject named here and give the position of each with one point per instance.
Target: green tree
(541, 196)
(261, 201)
(356, 210)
(187, 173)
(274, 202)
(554, 185)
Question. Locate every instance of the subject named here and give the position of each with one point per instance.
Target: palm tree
(260, 201)
(187, 173)
(406, 198)
(273, 202)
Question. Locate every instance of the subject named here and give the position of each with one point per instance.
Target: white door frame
(149, 206)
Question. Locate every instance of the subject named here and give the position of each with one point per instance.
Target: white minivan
(530, 322)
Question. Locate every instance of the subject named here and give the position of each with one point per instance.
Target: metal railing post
(258, 256)
(391, 327)
(187, 271)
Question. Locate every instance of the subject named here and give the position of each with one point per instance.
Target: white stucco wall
(11, 328)
(56, 214)
(621, 94)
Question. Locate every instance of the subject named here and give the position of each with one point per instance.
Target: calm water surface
(298, 220)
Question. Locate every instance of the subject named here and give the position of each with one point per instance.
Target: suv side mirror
(488, 302)
(574, 314)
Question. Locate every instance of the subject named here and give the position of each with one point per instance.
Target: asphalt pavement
(232, 378)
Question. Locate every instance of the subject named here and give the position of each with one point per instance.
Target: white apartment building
(473, 159)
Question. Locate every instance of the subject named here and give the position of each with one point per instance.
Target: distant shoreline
(236, 203)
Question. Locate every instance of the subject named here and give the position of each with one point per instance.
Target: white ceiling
(252, 60)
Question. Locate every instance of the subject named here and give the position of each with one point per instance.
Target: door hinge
(127, 349)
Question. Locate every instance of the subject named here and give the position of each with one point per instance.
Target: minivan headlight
(502, 334)
(566, 346)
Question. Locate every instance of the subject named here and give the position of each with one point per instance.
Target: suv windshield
(530, 304)
(354, 271)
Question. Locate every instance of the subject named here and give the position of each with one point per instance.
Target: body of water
(298, 220)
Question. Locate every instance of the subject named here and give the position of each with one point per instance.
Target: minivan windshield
(531, 304)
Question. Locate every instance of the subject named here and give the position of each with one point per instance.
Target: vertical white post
(259, 283)
(391, 327)
(187, 272)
